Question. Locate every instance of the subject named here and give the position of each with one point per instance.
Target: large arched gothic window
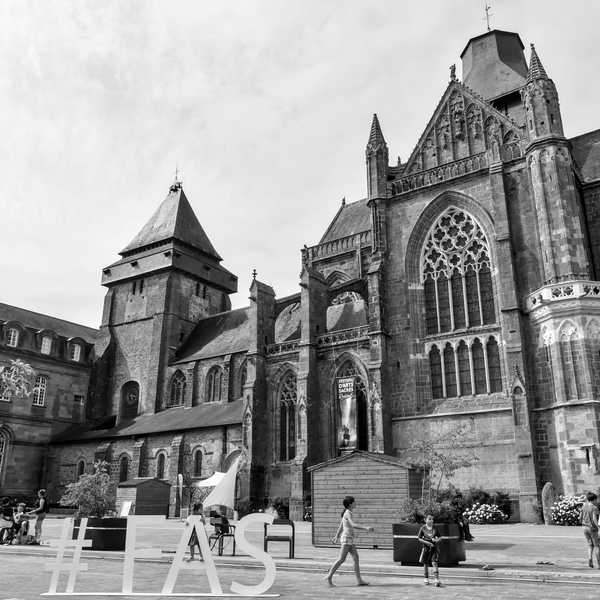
(214, 384)
(287, 417)
(177, 392)
(456, 273)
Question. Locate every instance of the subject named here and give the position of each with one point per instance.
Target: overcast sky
(264, 105)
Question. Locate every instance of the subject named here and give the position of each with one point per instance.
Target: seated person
(21, 526)
(6, 521)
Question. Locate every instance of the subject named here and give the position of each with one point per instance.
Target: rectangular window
(141, 285)
(12, 338)
(75, 352)
(78, 399)
(46, 345)
(39, 391)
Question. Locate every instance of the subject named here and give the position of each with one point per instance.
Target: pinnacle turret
(536, 69)
(376, 138)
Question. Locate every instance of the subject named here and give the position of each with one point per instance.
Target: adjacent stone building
(462, 292)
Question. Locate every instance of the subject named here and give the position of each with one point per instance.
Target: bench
(278, 537)
(223, 530)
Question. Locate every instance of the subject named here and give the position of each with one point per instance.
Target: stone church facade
(461, 293)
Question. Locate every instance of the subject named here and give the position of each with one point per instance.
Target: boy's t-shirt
(588, 512)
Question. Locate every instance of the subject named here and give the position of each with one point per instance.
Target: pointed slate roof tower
(172, 239)
(536, 69)
(174, 219)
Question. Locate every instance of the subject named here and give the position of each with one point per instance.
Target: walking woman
(346, 536)
(40, 514)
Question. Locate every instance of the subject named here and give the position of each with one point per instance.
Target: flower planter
(407, 548)
(106, 533)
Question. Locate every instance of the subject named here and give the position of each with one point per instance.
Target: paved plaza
(511, 553)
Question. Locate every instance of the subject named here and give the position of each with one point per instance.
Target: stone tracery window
(214, 384)
(456, 273)
(177, 392)
(287, 417)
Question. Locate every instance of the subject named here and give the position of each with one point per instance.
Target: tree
(17, 379)
(93, 493)
(440, 456)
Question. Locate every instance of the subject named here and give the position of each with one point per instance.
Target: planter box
(106, 534)
(407, 548)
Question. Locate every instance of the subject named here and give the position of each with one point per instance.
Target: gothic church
(461, 292)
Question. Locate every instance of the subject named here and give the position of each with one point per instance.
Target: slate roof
(346, 315)
(351, 218)
(536, 69)
(174, 219)
(287, 324)
(39, 321)
(586, 151)
(172, 419)
(225, 333)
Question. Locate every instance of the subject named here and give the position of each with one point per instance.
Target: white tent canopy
(211, 481)
(224, 492)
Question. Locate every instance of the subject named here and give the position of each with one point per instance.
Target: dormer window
(46, 344)
(75, 354)
(12, 337)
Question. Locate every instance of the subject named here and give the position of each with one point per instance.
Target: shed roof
(374, 456)
(141, 481)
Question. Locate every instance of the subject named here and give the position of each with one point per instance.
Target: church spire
(536, 69)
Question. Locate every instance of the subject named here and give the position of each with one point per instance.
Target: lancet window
(287, 418)
(456, 273)
(177, 391)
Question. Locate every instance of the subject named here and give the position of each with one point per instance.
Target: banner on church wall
(346, 398)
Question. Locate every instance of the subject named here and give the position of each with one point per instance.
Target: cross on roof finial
(176, 185)
(488, 14)
(254, 274)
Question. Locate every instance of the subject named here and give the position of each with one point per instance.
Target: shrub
(482, 514)
(567, 510)
(414, 511)
(502, 501)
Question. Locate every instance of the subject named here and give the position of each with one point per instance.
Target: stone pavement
(22, 578)
(511, 551)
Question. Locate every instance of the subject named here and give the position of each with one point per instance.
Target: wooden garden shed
(149, 496)
(379, 484)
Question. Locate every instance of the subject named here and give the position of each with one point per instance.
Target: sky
(264, 106)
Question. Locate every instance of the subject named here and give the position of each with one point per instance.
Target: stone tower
(564, 311)
(169, 276)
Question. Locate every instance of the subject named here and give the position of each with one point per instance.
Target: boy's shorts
(591, 535)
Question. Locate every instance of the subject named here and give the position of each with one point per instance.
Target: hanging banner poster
(346, 397)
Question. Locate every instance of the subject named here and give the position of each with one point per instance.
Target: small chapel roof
(351, 218)
(224, 333)
(173, 419)
(586, 152)
(39, 321)
(174, 219)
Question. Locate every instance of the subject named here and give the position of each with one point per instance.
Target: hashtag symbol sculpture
(59, 565)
